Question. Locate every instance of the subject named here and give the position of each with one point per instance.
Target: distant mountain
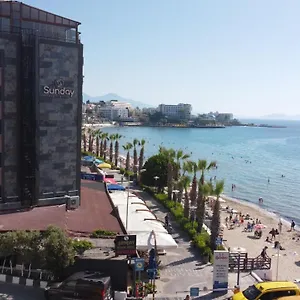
(281, 117)
(112, 96)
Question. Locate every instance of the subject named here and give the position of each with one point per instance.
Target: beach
(289, 259)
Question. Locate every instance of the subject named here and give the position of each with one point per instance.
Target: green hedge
(200, 240)
(99, 233)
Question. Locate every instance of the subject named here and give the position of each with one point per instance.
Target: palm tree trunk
(116, 153)
(186, 210)
(193, 192)
(97, 146)
(128, 161)
(84, 143)
(111, 152)
(200, 211)
(170, 180)
(141, 159)
(104, 149)
(101, 148)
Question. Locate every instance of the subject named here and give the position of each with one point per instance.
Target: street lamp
(278, 250)
(175, 193)
(156, 178)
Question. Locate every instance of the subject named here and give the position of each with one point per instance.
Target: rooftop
(94, 213)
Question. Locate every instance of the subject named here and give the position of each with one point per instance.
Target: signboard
(194, 292)
(139, 264)
(152, 273)
(221, 264)
(125, 245)
(58, 89)
(219, 241)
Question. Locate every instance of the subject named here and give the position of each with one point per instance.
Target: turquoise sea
(246, 157)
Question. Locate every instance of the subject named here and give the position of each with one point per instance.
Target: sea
(260, 162)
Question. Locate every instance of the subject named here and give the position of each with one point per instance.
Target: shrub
(101, 233)
(82, 245)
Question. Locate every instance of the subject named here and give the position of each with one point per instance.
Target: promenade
(182, 268)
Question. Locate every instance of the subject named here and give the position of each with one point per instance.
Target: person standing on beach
(293, 225)
(280, 226)
(263, 253)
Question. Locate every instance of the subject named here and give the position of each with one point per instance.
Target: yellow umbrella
(104, 166)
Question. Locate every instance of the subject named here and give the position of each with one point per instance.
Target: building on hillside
(114, 111)
(41, 60)
(180, 111)
(149, 110)
(224, 117)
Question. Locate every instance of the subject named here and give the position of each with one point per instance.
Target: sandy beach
(289, 259)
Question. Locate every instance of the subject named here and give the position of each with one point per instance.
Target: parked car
(81, 285)
(268, 291)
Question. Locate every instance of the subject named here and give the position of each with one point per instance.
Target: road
(19, 292)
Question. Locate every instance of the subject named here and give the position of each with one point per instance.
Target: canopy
(98, 161)
(110, 180)
(115, 187)
(88, 158)
(104, 166)
(146, 241)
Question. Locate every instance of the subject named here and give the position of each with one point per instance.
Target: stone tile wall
(59, 117)
(10, 127)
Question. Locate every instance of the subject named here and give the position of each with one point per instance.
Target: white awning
(141, 222)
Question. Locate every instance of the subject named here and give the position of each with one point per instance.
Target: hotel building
(41, 59)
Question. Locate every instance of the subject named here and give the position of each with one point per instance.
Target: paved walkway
(182, 267)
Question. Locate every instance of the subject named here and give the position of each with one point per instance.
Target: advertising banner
(220, 271)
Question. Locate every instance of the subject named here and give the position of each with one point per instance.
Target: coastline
(289, 258)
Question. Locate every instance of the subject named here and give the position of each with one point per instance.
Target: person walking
(280, 226)
(293, 225)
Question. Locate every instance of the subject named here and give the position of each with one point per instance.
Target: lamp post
(127, 207)
(175, 193)
(239, 270)
(278, 250)
(156, 178)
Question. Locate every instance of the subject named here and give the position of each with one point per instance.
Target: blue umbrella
(98, 161)
(88, 158)
(115, 187)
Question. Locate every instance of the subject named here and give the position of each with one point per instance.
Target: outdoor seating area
(140, 221)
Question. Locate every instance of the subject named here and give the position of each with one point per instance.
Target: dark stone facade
(9, 45)
(59, 117)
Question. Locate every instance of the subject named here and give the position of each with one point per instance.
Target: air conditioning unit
(72, 202)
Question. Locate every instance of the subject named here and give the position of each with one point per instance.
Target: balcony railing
(42, 34)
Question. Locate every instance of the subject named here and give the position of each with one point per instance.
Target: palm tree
(193, 192)
(203, 191)
(104, 138)
(180, 156)
(117, 138)
(215, 222)
(185, 182)
(111, 147)
(101, 137)
(83, 137)
(135, 156)
(203, 166)
(127, 148)
(98, 137)
(142, 153)
(170, 155)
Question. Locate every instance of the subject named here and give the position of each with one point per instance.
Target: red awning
(110, 180)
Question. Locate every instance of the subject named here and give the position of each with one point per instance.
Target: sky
(228, 56)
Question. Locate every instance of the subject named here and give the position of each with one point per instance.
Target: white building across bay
(179, 111)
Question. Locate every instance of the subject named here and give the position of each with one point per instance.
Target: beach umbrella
(104, 166)
(259, 226)
(88, 158)
(98, 161)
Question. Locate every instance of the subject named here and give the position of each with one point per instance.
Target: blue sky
(232, 56)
